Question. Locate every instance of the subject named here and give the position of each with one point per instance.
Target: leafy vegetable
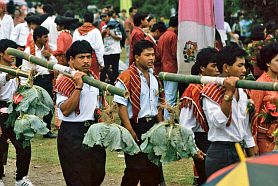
(165, 143)
(26, 126)
(29, 105)
(111, 136)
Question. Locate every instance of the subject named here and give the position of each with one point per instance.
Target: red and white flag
(196, 31)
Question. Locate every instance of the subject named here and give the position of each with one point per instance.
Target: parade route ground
(45, 169)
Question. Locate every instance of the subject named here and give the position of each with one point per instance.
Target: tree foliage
(264, 11)
(154, 7)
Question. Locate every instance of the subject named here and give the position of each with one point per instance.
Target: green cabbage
(165, 143)
(111, 136)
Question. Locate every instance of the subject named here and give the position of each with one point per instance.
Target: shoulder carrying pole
(245, 84)
(68, 71)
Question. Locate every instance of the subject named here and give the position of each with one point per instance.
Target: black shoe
(50, 135)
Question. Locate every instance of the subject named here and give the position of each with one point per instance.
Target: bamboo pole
(13, 71)
(246, 84)
(67, 71)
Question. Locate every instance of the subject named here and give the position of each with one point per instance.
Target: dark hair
(142, 45)
(131, 9)
(257, 33)
(5, 43)
(69, 13)
(138, 18)
(39, 32)
(48, 8)
(149, 18)
(173, 21)
(204, 57)
(195, 69)
(228, 55)
(159, 26)
(80, 47)
(266, 54)
(89, 17)
(123, 10)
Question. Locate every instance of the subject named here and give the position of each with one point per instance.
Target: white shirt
(112, 46)
(27, 66)
(188, 120)
(20, 34)
(87, 105)
(6, 27)
(51, 26)
(7, 88)
(239, 128)
(149, 97)
(95, 39)
(223, 33)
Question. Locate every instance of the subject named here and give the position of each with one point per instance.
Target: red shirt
(136, 35)
(64, 41)
(167, 48)
(102, 23)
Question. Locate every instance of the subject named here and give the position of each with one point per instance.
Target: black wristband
(78, 88)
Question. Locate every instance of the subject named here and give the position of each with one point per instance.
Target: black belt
(228, 143)
(149, 119)
(87, 123)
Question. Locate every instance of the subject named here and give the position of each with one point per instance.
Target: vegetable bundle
(166, 142)
(111, 136)
(29, 105)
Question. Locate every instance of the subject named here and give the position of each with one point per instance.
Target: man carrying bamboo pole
(225, 108)
(8, 86)
(76, 103)
(192, 115)
(139, 113)
(44, 77)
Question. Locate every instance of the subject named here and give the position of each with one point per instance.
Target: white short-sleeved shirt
(149, 97)
(7, 88)
(87, 105)
(239, 128)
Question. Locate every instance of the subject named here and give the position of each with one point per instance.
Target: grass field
(44, 154)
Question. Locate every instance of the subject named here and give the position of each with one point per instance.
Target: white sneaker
(23, 182)
(1, 183)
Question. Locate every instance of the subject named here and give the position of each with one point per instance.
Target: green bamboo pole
(67, 71)
(13, 71)
(246, 84)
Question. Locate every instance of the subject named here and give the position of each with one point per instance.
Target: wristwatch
(228, 98)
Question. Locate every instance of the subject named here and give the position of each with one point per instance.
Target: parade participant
(129, 25)
(268, 62)
(156, 31)
(20, 34)
(6, 22)
(50, 25)
(64, 40)
(225, 108)
(8, 86)
(33, 22)
(137, 34)
(43, 77)
(80, 165)
(140, 113)
(167, 48)
(91, 34)
(112, 49)
(192, 115)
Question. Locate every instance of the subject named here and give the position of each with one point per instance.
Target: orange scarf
(85, 28)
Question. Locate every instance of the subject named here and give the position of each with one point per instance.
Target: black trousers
(23, 155)
(110, 60)
(139, 167)
(219, 155)
(201, 140)
(45, 81)
(81, 166)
